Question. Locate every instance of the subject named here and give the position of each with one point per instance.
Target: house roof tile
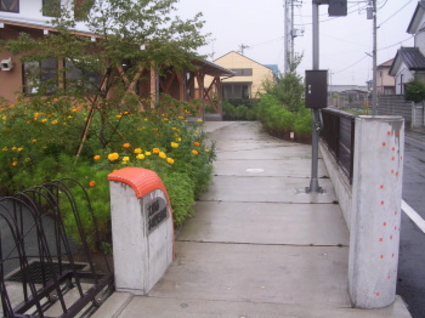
(413, 58)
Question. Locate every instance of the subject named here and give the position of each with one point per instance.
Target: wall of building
(420, 41)
(384, 80)
(236, 61)
(31, 9)
(402, 78)
(14, 77)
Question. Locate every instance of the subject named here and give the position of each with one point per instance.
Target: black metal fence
(338, 135)
(39, 274)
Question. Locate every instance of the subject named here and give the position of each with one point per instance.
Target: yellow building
(248, 78)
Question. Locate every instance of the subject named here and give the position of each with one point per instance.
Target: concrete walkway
(258, 245)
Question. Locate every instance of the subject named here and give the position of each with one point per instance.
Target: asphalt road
(411, 269)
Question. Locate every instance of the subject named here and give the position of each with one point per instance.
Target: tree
(415, 91)
(103, 68)
(288, 89)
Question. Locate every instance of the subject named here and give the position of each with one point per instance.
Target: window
(76, 75)
(51, 8)
(41, 75)
(242, 71)
(236, 91)
(9, 5)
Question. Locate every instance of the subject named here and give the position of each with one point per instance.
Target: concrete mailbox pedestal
(142, 229)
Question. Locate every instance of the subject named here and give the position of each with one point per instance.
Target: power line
(380, 49)
(398, 43)
(399, 10)
(348, 67)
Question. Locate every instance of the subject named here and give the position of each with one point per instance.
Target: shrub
(39, 144)
(415, 91)
(245, 110)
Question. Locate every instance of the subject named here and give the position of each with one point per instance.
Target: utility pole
(242, 48)
(290, 33)
(375, 88)
(288, 44)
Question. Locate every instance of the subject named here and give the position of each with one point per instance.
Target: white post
(375, 221)
(142, 229)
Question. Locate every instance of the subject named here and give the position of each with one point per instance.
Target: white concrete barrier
(142, 229)
(375, 214)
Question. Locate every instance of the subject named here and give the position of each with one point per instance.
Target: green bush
(282, 109)
(243, 111)
(39, 144)
(279, 121)
(415, 91)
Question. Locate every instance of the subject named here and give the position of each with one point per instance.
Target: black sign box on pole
(316, 89)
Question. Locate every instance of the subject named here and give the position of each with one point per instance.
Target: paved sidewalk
(258, 245)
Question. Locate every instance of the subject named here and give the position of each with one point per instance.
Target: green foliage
(288, 89)
(281, 108)
(415, 91)
(181, 189)
(70, 119)
(39, 146)
(239, 112)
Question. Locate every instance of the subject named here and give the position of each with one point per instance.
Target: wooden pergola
(186, 85)
(189, 85)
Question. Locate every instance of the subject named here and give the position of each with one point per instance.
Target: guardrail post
(142, 229)
(376, 206)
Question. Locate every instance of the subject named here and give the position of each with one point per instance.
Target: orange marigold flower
(156, 150)
(170, 161)
(195, 152)
(126, 145)
(96, 157)
(92, 183)
(196, 143)
(138, 151)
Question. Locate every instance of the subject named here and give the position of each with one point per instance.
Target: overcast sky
(344, 41)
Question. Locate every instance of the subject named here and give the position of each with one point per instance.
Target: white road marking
(413, 215)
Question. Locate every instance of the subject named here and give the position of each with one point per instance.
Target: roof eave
(411, 27)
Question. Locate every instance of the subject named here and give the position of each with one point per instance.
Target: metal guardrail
(338, 134)
(38, 271)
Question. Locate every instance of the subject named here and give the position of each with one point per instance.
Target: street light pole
(315, 112)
